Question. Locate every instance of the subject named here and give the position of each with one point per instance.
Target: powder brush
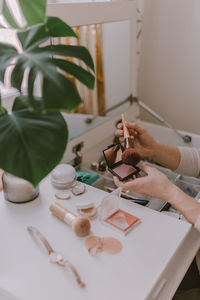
(80, 225)
(130, 156)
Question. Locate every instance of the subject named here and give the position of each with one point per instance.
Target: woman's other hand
(155, 184)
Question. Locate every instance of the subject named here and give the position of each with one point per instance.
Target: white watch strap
(55, 257)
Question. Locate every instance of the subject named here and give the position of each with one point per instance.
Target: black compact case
(112, 155)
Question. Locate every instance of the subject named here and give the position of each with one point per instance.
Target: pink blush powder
(95, 244)
(124, 170)
(121, 220)
(111, 245)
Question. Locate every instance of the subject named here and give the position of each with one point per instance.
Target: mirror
(109, 45)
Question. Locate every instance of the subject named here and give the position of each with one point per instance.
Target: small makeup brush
(130, 156)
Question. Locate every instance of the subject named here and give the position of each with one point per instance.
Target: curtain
(91, 37)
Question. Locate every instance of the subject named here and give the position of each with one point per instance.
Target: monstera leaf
(58, 91)
(34, 12)
(34, 135)
(32, 144)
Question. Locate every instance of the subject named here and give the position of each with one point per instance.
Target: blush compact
(111, 214)
(112, 155)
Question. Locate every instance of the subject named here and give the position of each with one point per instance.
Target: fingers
(119, 133)
(133, 126)
(130, 184)
(147, 169)
(116, 180)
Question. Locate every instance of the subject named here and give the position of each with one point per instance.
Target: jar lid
(63, 174)
(84, 204)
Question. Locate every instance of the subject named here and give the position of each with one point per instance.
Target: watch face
(55, 258)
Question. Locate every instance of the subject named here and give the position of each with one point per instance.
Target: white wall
(169, 74)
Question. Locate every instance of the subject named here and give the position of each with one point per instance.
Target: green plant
(33, 136)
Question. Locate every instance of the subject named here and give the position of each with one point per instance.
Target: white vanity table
(155, 256)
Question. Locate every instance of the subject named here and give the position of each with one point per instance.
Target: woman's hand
(155, 184)
(147, 146)
(144, 143)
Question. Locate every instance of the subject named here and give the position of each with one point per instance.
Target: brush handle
(126, 132)
(62, 213)
(128, 143)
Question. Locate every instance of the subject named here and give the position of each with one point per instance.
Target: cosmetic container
(18, 190)
(63, 176)
(112, 155)
(110, 213)
(87, 209)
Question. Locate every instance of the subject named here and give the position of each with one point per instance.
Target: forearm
(165, 155)
(188, 206)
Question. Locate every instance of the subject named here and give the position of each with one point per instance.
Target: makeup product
(111, 154)
(63, 176)
(118, 168)
(102, 166)
(129, 197)
(62, 196)
(95, 244)
(130, 156)
(78, 188)
(80, 225)
(94, 166)
(18, 190)
(87, 209)
(54, 257)
(112, 215)
(87, 177)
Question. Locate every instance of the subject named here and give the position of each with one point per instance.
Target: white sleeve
(190, 161)
(197, 224)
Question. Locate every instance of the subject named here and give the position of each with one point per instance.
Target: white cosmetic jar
(63, 176)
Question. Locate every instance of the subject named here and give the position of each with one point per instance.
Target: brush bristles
(130, 157)
(81, 226)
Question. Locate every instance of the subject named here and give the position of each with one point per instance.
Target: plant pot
(18, 190)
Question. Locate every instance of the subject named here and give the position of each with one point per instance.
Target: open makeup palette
(112, 215)
(112, 155)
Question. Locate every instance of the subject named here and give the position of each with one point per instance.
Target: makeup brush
(80, 225)
(130, 156)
